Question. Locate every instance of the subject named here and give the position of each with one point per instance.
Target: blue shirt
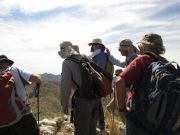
(100, 59)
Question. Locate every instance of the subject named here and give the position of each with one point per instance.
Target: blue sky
(31, 31)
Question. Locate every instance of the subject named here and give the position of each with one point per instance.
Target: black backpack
(157, 101)
(96, 82)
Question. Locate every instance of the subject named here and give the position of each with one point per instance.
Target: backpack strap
(76, 60)
(73, 59)
(22, 79)
(156, 56)
(163, 60)
(9, 70)
(24, 82)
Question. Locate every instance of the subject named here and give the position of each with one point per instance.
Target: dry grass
(114, 124)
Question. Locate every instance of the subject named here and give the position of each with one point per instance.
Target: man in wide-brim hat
(99, 57)
(4, 59)
(24, 122)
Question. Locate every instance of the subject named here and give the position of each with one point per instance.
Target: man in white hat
(99, 57)
(85, 110)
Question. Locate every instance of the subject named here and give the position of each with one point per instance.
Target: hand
(118, 71)
(36, 90)
(108, 52)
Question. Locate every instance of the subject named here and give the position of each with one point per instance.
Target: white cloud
(37, 40)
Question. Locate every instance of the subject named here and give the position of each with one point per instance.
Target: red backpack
(12, 108)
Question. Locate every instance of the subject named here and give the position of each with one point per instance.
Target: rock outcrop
(62, 126)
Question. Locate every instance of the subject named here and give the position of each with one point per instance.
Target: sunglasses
(94, 45)
(120, 49)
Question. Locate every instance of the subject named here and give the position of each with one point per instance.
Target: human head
(126, 47)
(96, 44)
(67, 49)
(5, 61)
(152, 42)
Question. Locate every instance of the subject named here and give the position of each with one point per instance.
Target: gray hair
(157, 48)
(154, 43)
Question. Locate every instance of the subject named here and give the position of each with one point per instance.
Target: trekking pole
(114, 104)
(36, 92)
(72, 112)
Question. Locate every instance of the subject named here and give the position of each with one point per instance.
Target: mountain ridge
(51, 77)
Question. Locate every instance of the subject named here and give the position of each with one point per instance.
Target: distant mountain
(51, 77)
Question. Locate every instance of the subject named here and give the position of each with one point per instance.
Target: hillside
(51, 77)
(49, 99)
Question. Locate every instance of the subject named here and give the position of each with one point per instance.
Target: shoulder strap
(73, 59)
(107, 57)
(78, 59)
(9, 69)
(22, 79)
(157, 57)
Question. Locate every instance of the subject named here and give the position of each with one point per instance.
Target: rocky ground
(62, 126)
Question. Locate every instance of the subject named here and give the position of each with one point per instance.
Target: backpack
(157, 101)
(109, 67)
(12, 108)
(96, 82)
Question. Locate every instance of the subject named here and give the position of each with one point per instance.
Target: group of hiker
(87, 111)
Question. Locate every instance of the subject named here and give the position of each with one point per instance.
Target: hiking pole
(72, 111)
(114, 104)
(36, 93)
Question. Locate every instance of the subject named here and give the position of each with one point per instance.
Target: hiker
(132, 75)
(84, 110)
(98, 55)
(128, 50)
(25, 123)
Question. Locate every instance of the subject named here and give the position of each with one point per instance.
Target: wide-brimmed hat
(96, 41)
(67, 49)
(152, 39)
(4, 59)
(125, 44)
(65, 44)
